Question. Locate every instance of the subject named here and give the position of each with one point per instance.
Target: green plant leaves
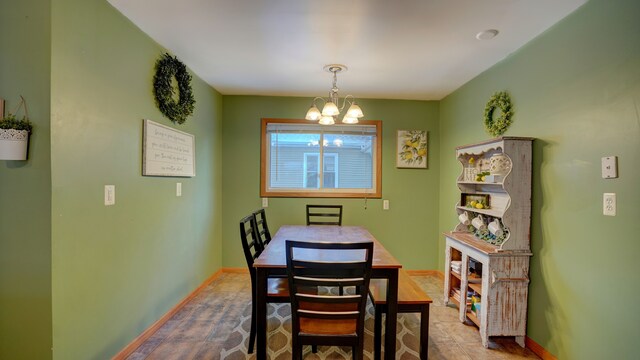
(499, 125)
(11, 122)
(167, 69)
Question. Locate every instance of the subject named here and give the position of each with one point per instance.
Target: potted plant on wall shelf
(14, 134)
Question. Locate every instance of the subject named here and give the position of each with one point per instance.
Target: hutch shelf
(487, 253)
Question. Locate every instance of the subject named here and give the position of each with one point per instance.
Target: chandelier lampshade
(313, 114)
(349, 119)
(327, 120)
(330, 109)
(354, 111)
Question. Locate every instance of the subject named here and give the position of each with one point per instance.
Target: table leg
(424, 332)
(391, 319)
(261, 290)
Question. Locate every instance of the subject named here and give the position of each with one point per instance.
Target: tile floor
(203, 328)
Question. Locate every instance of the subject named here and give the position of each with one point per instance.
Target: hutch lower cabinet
(503, 288)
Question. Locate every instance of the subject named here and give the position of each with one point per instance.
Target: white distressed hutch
(504, 284)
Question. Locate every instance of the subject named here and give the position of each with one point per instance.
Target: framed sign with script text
(167, 151)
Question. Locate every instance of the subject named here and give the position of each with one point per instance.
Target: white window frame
(305, 169)
(335, 170)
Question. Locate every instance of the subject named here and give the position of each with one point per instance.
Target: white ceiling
(402, 49)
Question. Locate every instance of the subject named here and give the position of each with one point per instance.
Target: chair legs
(254, 319)
(377, 333)
(296, 351)
(356, 352)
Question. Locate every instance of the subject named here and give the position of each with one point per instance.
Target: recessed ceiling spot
(487, 34)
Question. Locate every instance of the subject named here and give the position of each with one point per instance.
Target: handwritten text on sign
(167, 151)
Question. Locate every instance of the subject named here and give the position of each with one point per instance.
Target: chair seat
(328, 327)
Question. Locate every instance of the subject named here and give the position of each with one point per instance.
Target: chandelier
(332, 106)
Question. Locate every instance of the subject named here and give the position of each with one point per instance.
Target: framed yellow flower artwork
(412, 149)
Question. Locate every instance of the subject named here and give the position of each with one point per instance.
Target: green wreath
(499, 125)
(168, 67)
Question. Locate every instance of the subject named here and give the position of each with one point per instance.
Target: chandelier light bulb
(349, 119)
(330, 109)
(355, 111)
(327, 120)
(313, 114)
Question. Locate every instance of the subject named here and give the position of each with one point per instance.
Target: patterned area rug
(279, 337)
(214, 325)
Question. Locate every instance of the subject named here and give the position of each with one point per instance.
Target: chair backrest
(251, 243)
(317, 264)
(261, 225)
(324, 215)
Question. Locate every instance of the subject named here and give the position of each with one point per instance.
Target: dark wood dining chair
(262, 227)
(324, 215)
(327, 319)
(277, 288)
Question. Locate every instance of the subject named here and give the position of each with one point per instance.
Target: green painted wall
(87, 279)
(118, 269)
(576, 88)
(408, 229)
(25, 186)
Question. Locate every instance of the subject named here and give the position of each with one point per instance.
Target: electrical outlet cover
(609, 167)
(109, 195)
(609, 204)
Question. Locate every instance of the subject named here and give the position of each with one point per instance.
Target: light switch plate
(265, 202)
(609, 167)
(179, 189)
(385, 204)
(609, 204)
(109, 195)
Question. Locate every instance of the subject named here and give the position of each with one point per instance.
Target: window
(303, 159)
(312, 171)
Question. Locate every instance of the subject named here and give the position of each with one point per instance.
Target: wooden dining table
(272, 262)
